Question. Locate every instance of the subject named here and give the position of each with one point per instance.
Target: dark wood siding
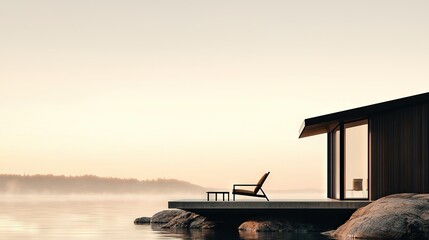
(329, 167)
(399, 151)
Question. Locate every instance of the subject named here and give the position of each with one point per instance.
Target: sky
(210, 92)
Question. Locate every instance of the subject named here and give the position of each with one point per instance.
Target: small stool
(216, 193)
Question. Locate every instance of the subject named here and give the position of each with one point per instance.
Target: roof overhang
(326, 123)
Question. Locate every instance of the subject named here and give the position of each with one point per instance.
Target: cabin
(376, 150)
(372, 151)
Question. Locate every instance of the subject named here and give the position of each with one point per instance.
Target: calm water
(100, 217)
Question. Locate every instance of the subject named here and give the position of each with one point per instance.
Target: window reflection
(356, 160)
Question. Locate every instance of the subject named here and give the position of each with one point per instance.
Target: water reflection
(208, 234)
(103, 217)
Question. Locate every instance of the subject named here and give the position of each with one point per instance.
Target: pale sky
(210, 92)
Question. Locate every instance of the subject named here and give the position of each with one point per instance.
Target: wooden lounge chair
(254, 193)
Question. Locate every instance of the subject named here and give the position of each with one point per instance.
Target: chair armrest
(244, 185)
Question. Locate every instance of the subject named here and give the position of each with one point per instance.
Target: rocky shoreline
(179, 219)
(399, 216)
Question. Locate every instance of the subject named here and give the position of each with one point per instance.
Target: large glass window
(356, 159)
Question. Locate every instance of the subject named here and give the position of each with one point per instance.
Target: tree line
(60, 184)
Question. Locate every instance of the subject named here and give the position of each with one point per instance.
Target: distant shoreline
(90, 184)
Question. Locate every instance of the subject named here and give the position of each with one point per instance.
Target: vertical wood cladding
(330, 180)
(399, 151)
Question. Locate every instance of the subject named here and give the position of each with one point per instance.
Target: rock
(399, 216)
(165, 216)
(181, 219)
(203, 223)
(275, 226)
(328, 233)
(261, 226)
(189, 220)
(142, 220)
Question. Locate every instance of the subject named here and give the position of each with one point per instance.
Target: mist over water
(103, 217)
(77, 216)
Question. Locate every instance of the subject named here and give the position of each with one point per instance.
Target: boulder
(399, 216)
(261, 226)
(165, 216)
(142, 220)
(189, 220)
(276, 226)
(180, 219)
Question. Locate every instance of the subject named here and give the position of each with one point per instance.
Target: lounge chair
(254, 193)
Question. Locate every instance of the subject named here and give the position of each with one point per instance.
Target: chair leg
(233, 197)
(265, 195)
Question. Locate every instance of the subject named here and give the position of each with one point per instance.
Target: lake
(97, 217)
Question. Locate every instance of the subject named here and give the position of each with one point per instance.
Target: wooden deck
(190, 205)
(319, 211)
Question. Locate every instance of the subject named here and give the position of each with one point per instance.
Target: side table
(217, 193)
